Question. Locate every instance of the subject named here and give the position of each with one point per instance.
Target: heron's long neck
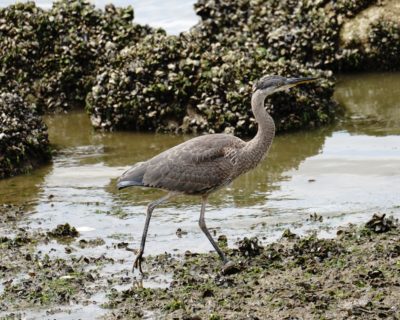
(257, 148)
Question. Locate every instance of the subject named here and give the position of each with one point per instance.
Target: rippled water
(344, 173)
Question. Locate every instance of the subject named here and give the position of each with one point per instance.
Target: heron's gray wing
(195, 166)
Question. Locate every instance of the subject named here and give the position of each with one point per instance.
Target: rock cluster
(200, 81)
(23, 136)
(169, 83)
(51, 56)
(370, 40)
(63, 231)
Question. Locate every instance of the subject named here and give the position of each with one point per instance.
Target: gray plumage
(207, 163)
(197, 166)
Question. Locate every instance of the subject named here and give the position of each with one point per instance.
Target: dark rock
(64, 231)
(24, 143)
(379, 223)
(222, 241)
(250, 247)
(230, 268)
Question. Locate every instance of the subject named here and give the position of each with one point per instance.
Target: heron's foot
(230, 267)
(138, 262)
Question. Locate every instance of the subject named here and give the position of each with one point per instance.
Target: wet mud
(355, 275)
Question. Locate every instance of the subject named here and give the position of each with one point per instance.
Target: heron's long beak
(291, 82)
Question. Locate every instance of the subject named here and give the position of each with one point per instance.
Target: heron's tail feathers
(133, 176)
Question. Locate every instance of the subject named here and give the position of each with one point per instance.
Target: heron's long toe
(138, 262)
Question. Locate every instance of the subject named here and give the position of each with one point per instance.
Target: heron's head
(270, 84)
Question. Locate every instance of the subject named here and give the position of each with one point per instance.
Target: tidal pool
(344, 173)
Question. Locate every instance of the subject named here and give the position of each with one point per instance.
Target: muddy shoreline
(355, 275)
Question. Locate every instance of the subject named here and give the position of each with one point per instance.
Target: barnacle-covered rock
(328, 34)
(379, 223)
(83, 38)
(167, 83)
(144, 87)
(63, 231)
(371, 39)
(235, 43)
(305, 31)
(23, 136)
(140, 78)
(50, 56)
(222, 98)
(22, 29)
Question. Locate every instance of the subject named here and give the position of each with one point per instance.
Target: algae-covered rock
(82, 39)
(22, 31)
(51, 56)
(141, 87)
(64, 231)
(250, 247)
(379, 223)
(205, 84)
(305, 31)
(222, 98)
(167, 83)
(370, 40)
(352, 277)
(24, 142)
(338, 35)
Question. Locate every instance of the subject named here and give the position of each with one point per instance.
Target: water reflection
(24, 189)
(287, 153)
(371, 101)
(80, 145)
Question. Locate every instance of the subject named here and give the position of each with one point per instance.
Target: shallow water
(344, 173)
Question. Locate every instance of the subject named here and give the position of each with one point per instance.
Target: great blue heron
(207, 163)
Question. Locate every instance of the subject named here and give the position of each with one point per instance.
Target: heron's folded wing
(197, 166)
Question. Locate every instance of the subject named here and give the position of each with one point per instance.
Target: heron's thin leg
(203, 227)
(138, 261)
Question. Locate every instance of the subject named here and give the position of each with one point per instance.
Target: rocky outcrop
(201, 81)
(23, 136)
(50, 57)
(370, 40)
(166, 83)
